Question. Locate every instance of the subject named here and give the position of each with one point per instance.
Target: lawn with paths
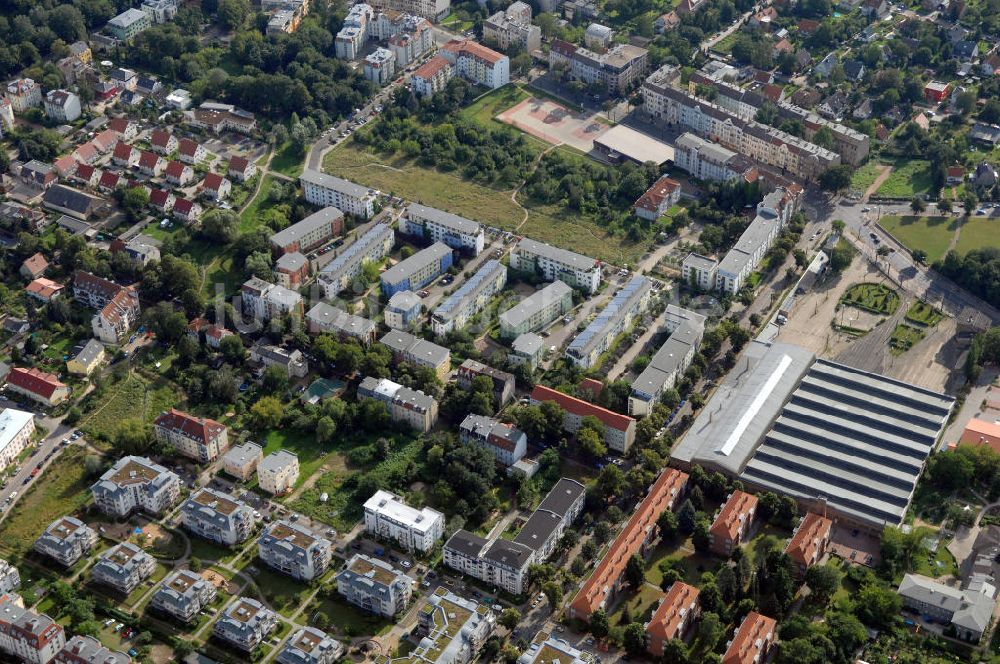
(876, 298)
(904, 337)
(923, 314)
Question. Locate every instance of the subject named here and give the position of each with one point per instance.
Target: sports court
(554, 124)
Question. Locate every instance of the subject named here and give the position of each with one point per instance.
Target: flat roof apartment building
(617, 69)
(670, 361)
(434, 10)
(183, 595)
(700, 271)
(552, 263)
(136, 483)
(409, 348)
(440, 226)
(218, 517)
(740, 262)
(339, 274)
(512, 27)
(311, 646)
(245, 623)
(293, 549)
(198, 438)
(403, 404)
(312, 232)
(615, 319)
(123, 567)
(374, 586)
(386, 515)
(418, 270)
(265, 301)
(327, 190)
(66, 540)
(460, 307)
(547, 649)
(536, 311)
(619, 431)
(278, 472)
(324, 318)
(455, 630)
(241, 461)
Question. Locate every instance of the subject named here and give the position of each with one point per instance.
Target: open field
(309, 450)
(876, 298)
(932, 234)
(287, 162)
(250, 217)
(61, 490)
(865, 176)
(977, 233)
(908, 178)
(134, 397)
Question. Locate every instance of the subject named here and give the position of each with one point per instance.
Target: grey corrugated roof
(335, 183)
(405, 268)
(527, 307)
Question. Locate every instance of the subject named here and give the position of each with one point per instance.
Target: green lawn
(904, 337)
(134, 397)
(977, 233)
(62, 489)
(208, 551)
(876, 298)
(249, 218)
(287, 161)
(282, 592)
(923, 314)
(487, 107)
(932, 234)
(865, 176)
(346, 619)
(310, 451)
(908, 178)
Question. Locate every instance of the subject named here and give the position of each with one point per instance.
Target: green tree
(266, 413)
(599, 624)
(944, 205)
(675, 651)
(667, 523)
(553, 591)
(836, 179)
(510, 618)
(917, 205)
(611, 482)
(635, 571)
(823, 580)
(134, 202)
(634, 639)
(133, 436)
(220, 225)
(232, 13)
(275, 380)
(700, 537)
(710, 630)
(232, 348)
(877, 606)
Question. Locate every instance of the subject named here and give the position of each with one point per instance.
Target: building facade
(374, 586)
(198, 438)
(386, 515)
(293, 549)
(123, 567)
(327, 190)
(218, 517)
(136, 483)
(536, 311)
(551, 263)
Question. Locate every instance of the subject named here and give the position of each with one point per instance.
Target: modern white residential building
(62, 106)
(439, 226)
(574, 269)
(413, 407)
(183, 595)
(460, 307)
(265, 301)
(418, 270)
(245, 623)
(66, 540)
(10, 577)
(503, 441)
(536, 311)
(26, 636)
(403, 310)
(311, 646)
(136, 483)
(670, 361)
(87, 650)
(339, 274)
(278, 472)
(545, 648)
(16, 429)
(618, 69)
(386, 515)
(624, 309)
(474, 62)
(456, 630)
(310, 233)
(772, 215)
(380, 66)
(700, 271)
(324, 318)
(198, 438)
(512, 27)
(241, 461)
(293, 549)
(327, 190)
(353, 34)
(218, 517)
(123, 567)
(375, 586)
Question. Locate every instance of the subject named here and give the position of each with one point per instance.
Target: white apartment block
(324, 318)
(456, 628)
(434, 10)
(265, 301)
(311, 646)
(472, 297)
(708, 161)
(309, 233)
(183, 595)
(474, 62)
(136, 483)
(432, 76)
(552, 263)
(10, 578)
(507, 444)
(339, 274)
(374, 586)
(380, 66)
(624, 309)
(536, 311)
(16, 429)
(292, 361)
(670, 361)
(772, 214)
(327, 190)
(245, 623)
(123, 567)
(293, 549)
(27, 636)
(241, 461)
(408, 37)
(354, 32)
(512, 27)
(699, 271)
(439, 226)
(66, 540)
(198, 438)
(386, 515)
(218, 517)
(23, 94)
(416, 409)
(617, 69)
(278, 472)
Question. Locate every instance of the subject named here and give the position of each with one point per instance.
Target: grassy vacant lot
(932, 234)
(876, 298)
(250, 217)
(487, 107)
(134, 397)
(287, 161)
(908, 178)
(904, 337)
(308, 449)
(977, 233)
(923, 314)
(865, 176)
(61, 490)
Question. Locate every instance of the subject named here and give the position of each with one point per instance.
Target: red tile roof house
(87, 175)
(191, 152)
(125, 155)
(599, 591)
(215, 187)
(810, 541)
(752, 642)
(733, 523)
(673, 618)
(198, 438)
(187, 211)
(956, 174)
(178, 174)
(105, 141)
(43, 387)
(936, 91)
(151, 163)
(116, 319)
(65, 166)
(124, 127)
(87, 154)
(214, 336)
(653, 204)
(162, 200)
(619, 429)
(34, 266)
(109, 181)
(162, 142)
(43, 289)
(242, 169)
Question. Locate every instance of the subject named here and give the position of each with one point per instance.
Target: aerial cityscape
(516, 332)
